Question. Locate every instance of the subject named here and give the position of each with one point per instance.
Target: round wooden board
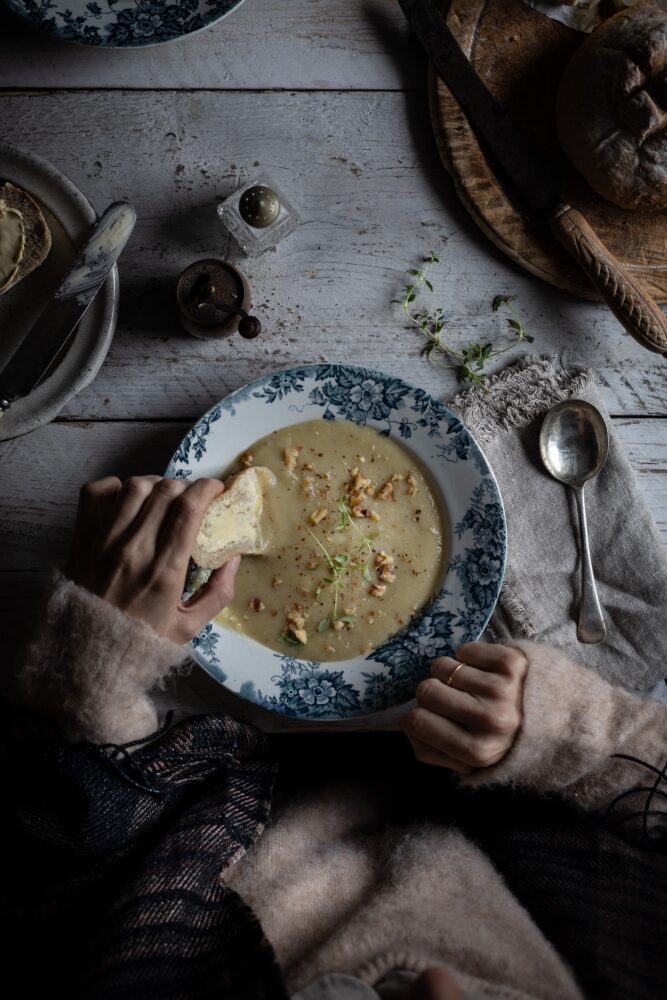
(520, 54)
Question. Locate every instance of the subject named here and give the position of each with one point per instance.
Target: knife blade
(52, 331)
(536, 179)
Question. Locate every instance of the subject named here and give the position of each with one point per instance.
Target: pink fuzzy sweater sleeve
(574, 723)
(91, 667)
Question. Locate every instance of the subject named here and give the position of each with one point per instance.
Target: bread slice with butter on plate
(232, 524)
(25, 238)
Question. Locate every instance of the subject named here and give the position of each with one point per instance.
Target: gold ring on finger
(450, 679)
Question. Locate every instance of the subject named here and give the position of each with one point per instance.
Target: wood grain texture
(313, 44)
(520, 55)
(626, 296)
(365, 173)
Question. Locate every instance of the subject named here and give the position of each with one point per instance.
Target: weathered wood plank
(364, 172)
(311, 44)
(43, 471)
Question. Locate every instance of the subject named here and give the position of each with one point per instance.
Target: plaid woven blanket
(113, 859)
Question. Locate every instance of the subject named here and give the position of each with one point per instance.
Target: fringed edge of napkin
(513, 398)
(517, 395)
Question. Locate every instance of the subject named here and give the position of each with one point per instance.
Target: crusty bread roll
(232, 524)
(612, 107)
(36, 232)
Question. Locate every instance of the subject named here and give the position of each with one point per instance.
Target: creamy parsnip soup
(355, 542)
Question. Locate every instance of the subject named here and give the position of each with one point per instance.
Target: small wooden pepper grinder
(213, 300)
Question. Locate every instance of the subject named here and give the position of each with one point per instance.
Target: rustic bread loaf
(612, 107)
(232, 524)
(37, 234)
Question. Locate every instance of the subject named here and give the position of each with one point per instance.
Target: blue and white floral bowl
(122, 23)
(471, 503)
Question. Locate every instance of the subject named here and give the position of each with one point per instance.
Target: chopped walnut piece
(395, 477)
(318, 515)
(349, 611)
(377, 589)
(373, 515)
(247, 459)
(384, 563)
(308, 486)
(255, 604)
(330, 648)
(386, 492)
(277, 580)
(313, 564)
(338, 626)
(290, 458)
(411, 484)
(296, 620)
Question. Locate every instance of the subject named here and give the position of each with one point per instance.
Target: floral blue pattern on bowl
(471, 505)
(122, 23)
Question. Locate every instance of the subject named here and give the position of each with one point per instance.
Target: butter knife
(47, 339)
(536, 179)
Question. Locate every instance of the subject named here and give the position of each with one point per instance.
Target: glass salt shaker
(258, 215)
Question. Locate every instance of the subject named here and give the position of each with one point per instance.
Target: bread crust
(37, 234)
(611, 109)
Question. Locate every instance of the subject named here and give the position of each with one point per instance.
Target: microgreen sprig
(470, 361)
(341, 565)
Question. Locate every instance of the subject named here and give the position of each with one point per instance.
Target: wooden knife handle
(627, 298)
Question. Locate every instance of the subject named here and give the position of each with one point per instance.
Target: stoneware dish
(470, 503)
(122, 23)
(69, 216)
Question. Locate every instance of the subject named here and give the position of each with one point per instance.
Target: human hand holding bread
(132, 545)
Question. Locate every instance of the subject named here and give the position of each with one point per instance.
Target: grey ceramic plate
(70, 216)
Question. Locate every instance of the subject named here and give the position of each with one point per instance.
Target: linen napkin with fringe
(542, 587)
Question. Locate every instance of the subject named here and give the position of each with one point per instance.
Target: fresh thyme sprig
(470, 361)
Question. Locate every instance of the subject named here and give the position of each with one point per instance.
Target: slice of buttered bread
(232, 523)
(36, 233)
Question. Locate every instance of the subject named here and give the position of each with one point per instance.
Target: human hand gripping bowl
(469, 710)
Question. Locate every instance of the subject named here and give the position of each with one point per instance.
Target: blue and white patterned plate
(122, 23)
(472, 505)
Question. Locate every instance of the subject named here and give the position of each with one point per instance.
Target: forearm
(574, 726)
(90, 667)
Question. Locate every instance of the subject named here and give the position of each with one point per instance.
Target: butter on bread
(36, 234)
(232, 524)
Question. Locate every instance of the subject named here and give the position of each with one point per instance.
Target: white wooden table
(328, 97)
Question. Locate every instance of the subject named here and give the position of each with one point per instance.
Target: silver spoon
(573, 445)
